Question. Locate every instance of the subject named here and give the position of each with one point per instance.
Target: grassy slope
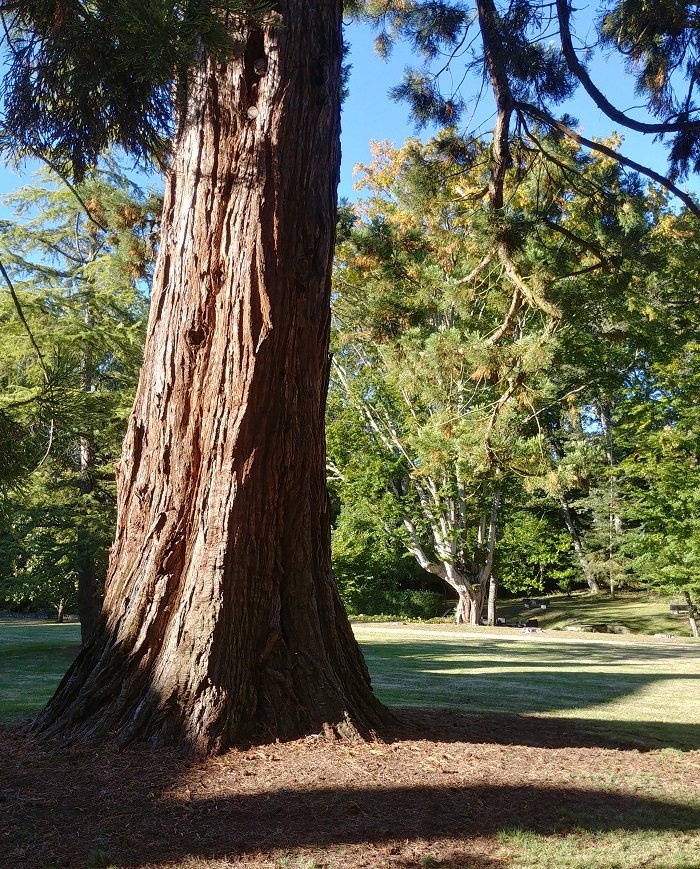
(637, 613)
(33, 658)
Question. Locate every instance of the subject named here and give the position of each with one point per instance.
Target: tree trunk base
(296, 691)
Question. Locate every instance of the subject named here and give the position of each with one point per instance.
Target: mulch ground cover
(435, 791)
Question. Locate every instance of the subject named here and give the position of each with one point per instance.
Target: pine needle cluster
(85, 75)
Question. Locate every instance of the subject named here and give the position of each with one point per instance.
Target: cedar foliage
(84, 77)
(81, 279)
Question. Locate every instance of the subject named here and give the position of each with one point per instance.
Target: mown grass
(580, 848)
(660, 830)
(636, 613)
(33, 658)
(642, 693)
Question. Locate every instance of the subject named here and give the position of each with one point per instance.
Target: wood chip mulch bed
(434, 792)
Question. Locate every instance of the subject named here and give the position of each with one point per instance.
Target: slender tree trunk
(578, 549)
(221, 619)
(614, 521)
(486, 579)
(692, 614)
(493, 598)
(89, 601)
(88, 597)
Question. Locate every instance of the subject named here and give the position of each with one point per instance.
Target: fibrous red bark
(221, 620)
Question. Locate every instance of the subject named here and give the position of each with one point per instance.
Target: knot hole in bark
(319, 70)
(196, 336)
(254, 64)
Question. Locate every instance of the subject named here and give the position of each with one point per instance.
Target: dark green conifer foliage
(81, 279)
(83, 77)
(527, 54)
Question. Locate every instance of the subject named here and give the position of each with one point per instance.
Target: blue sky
(369, 114)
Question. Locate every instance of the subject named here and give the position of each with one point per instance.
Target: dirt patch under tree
(433, 792)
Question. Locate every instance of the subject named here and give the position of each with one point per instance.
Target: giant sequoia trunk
(221, 620)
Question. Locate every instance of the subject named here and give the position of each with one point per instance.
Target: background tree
(422, 309)
(534, 551)
(529, 76)
(80, 270)
(658, 426)
(422, 306)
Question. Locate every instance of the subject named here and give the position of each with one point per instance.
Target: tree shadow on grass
(536, 731)
(126, 810)
(515, 679)
(140, 807)
(270, 821)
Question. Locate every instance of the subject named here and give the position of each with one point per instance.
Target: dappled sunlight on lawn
(657, 687)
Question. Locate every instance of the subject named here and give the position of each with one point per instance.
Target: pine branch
(533, 297)
(474, 273)
(577, 68)
(57, 172)
(662, 180)
(503, 95)
(603, 261)
(505, 325)
(20, 313)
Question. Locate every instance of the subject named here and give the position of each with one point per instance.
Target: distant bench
(678, 608)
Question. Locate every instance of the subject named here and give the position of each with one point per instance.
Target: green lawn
(648, 694)
(644, 693)
(633, 613)
(33, 657)
(641, 693)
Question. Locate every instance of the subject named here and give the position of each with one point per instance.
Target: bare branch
(532, 296)
(20, 313)
(505, 325)
(604, 262)
(476, 270)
